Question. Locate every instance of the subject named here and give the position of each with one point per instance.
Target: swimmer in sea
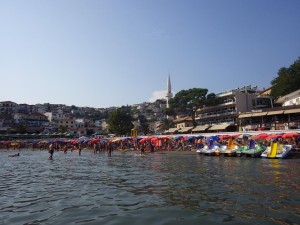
(18, 154)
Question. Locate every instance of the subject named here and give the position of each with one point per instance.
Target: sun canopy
(245, 115)
(275, 112)
(185, 129)
(201, 128)
(172, 130)
(259, 114)
(219, 127)
(292, 111)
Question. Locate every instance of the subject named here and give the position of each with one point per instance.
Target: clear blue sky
(102, 53)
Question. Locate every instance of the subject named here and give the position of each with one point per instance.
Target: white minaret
(169, 93)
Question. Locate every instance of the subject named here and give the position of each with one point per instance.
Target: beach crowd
(143, 144)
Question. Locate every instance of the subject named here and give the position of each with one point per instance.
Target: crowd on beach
(147, 144)
(150, 144)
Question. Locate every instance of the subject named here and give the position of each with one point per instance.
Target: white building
(57, 114)
(231, 104)
(290, 99)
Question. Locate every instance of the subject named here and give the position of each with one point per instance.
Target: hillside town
(60, 119)
(239, 109)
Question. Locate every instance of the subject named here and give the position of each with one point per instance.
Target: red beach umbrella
(143, 140)
(154, 139)
(290, 135)
(74, 141)
(261, 135)
(165, 138)
(95, 141)
(224, 137)
(273, 136)
(234, 136)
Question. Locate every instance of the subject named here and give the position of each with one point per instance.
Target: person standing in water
(109, 148)
(79, 149)
(142, 149)
(51, 150)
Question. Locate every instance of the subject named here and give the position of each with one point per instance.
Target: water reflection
(156, 189)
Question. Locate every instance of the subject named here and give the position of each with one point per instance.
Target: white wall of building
(290, 99)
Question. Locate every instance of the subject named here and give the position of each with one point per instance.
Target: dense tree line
(287, 80)
(187, 101)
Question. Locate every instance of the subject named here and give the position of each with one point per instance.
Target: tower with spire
(169, 93)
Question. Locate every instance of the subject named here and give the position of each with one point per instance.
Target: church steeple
(169, 91)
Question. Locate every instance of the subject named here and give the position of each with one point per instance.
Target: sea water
(160, 188)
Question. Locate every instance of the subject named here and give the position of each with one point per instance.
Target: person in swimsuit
(51, 150)
(79, 149)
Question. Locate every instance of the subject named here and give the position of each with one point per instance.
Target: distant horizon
(107, 53)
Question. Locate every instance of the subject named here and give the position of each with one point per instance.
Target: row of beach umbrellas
(264, 136)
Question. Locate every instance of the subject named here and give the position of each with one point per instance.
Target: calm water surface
(155, 189)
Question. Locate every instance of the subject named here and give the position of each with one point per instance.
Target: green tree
(135, 111)
(160, 101)
(169, 112)
(120, 121)
(186, 101)
(144, 124)
(211, 100)
(287, 80)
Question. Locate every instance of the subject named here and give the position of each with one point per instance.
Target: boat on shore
(254, 152)
(277, 151)
(215, 151)
(229, 152)
(210, 150)
(229, 149)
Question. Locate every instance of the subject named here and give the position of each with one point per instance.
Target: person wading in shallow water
(109, 148)
(51, 150)
(79, 149)
(142, 149)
